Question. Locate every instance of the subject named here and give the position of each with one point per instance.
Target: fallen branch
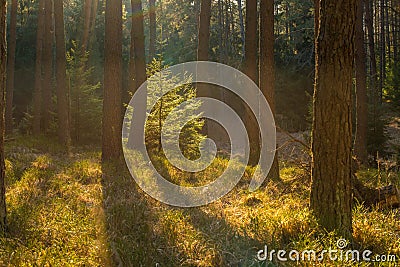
(294, 139)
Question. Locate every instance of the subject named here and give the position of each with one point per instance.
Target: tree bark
(331, 190)
(11, 66)
(153, 27)
(360, 143)
(138, 66)
(267, 65)
(61, 76)
(112, 123)
(203, 90)
(37, 95)
(204, 30)
(373, 85)
(242, 35)
(250, 69)
(86, 25)
(47, 65)
(3, 60)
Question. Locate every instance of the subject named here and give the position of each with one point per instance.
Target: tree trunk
(37, 95)
(92, 25)
(203, 90)
(241, 26)
(86, 25)
(47, 65)
(382, 47)
(360, 145)
(138, 65)
(331, 190)
(204, 30)
(11, 66)
(267, 65)
(112, 123)
(61, 76)
(3, 60)
(152, 16)
(250, 69)
(372, 56)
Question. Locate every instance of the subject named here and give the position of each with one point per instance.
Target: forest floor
(69, 210)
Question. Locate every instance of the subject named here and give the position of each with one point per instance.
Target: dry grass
(71, 211)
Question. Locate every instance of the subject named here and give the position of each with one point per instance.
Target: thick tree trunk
(331, 190)
(3, 60)
(267, 65)
(61, 76)
(138, 66)
(203, 90)
(112, 123)
(204, 30)
(153, 27)
(250, 69)
(37, 95)
(11, 66)
(360, 145)
(47, 65)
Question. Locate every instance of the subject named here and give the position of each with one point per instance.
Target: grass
(69, 210)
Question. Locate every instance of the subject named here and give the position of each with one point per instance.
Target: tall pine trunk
(11, 66)
(250, 69)
(112, 122)
(267, 64)
(360, 145)
(3, 60)
(61, 76)
(203, 90)
(37, 94)
(87, 14)
(331, 190)
(137, 72)
(47, 65)
(153, 27)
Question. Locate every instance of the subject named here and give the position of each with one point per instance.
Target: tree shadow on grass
(235, 247)
(131, 219)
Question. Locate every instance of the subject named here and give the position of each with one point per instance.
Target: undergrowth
(66, 209)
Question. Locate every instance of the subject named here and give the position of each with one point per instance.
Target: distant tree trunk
(251, 40)
(372, 56)
(316, 18)
(202, 50)
(241, 26)
(3, 60)
(152, 16)
(138, 66)
(11, 66)
(204, 30)
(382, 47)
(61, 76)
(360, 145)
(37, 95)
(267, 65)
(47, 65)
(331, 190)
(112, 123)
(86, 25)
(93, 22)
(250, 69)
